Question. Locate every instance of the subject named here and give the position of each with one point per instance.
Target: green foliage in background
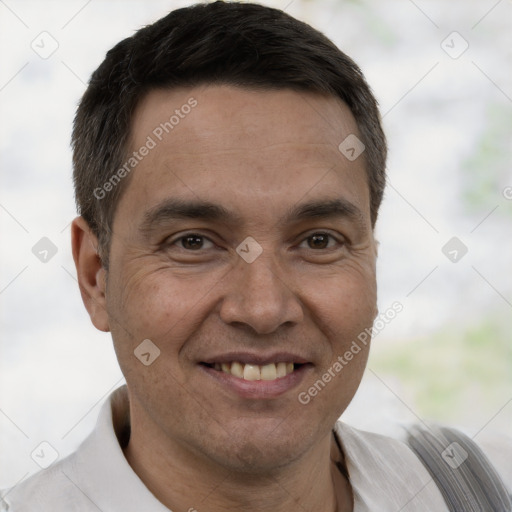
(449, 372)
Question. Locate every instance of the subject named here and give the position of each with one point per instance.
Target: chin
(261, 447)
(259, 457)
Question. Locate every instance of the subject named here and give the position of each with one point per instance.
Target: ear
(91, 274)
(376, 245)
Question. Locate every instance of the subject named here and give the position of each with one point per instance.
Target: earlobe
(90, 272)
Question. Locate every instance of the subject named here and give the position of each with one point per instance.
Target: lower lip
(259, 389)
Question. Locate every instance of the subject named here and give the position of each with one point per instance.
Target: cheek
(158, 303)
(346, 316)
(344, 307)
(345, 301)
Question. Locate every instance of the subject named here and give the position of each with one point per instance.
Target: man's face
(241, 164)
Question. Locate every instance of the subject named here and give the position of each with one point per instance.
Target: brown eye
(192, 242)
(318, 241)
(189, 242)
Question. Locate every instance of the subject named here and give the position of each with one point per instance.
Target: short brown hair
(241, 44)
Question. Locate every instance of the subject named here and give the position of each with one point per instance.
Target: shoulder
(378, 451)
(53, 488)
(385, 474)
(496, 446)
(391, 465)
(498, 449)
(65, 486)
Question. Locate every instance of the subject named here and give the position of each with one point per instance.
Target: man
(229, 164)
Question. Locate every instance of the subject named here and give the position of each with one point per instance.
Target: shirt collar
(384, 473)
(107, 479)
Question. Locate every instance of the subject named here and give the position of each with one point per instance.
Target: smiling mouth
(251, 372)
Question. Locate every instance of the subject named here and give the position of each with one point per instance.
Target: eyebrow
(179, 209)
(330, 208)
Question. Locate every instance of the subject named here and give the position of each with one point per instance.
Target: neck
(186, 481)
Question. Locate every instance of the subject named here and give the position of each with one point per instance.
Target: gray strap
(464, 475)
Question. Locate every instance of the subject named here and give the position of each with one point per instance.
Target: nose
(257, 295)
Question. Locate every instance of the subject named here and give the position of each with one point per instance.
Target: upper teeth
(270, 371)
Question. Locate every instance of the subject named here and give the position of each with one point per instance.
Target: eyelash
(339, 240)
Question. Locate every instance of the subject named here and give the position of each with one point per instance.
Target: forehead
(226, 116)
(224, 143)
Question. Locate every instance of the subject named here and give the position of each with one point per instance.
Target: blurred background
(441, 73)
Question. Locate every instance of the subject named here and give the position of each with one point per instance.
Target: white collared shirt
(385, 475)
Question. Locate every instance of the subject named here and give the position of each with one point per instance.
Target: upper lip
(253, 358)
